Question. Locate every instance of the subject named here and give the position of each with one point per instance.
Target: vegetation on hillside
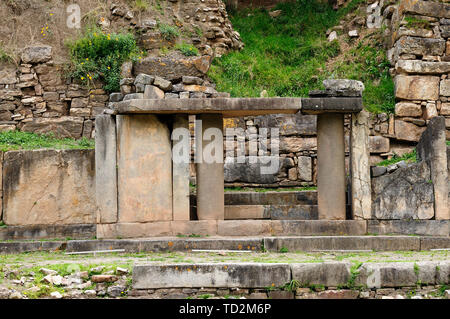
(15, 140)
(99, 56)
(290, 55)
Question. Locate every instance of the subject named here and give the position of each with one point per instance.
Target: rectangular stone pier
(138, 183)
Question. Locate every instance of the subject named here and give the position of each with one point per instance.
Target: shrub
(187, 49)
(168, 32)
(100, 56)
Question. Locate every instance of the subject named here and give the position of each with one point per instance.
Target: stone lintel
(319, 105)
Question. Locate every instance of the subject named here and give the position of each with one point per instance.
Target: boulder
(36, 54)
(172, 68)
(405, 193)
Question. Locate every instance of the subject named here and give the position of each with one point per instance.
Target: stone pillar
(361, 190)
(106, 168)
(144, 165)
(331, 166)
(432, 149)
(210, 176)
(180, 169)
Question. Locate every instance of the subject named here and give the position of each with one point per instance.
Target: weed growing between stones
(99, 56)
(168, 32)
(409, 157)
(187, 49)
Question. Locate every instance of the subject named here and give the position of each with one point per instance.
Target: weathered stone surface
(406, 193)
(162, 84)
(210, 275)
(408, 109)
(343, 85)
(133, 96)
(328, 273)
(46, 232)
(318, 227)
(8, 75)
(180, 170)
(378, 144)
(49, 187)
(433, 150)
(144, 169)
(420, 46)
(144, 79)
(445, 109)
(252, 170)
(106, 168)
(134, 230)
(245, 212)
(244, 227)
(305, 168)
(36, 54)
(271, 198)
(406, 227)
(407, 131)
(417, 87)
(360, 166)
(152, 92)
(445, 88)
(422, 67)
(170, 68)
(293, 144)
(65, 126)
(426, 8)
(328, 243)
(298, 124)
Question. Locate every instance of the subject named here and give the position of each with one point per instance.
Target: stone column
(180, 168)
(361, 190)
(106, 168)
(210, 176)
(331, 166)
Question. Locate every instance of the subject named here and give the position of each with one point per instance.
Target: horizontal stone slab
(422, 67)
(409, 227)
(318, 227)
(223, 275)
(332, 104)
(402, 274)
(271, 198)
(325, 243)
(292, 212)
(22, 247)
(427, 243)
(329, 274)
(246, 212)
(47, 231)
(229, 107)
(166, 244)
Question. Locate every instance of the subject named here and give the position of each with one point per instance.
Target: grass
(409, 157)
(6, 56)
(187, 49)
(289, 55)
(15, 140)
(168, 32)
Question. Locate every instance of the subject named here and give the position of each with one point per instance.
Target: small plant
(6, 56)
(187, 49)
(99, 56)
(415, 23)
(284, 250)
(206, 296)
(409, 157)
(354, 272)
(141, 5)
(2, 224)
(168, 32)
(416, 269)
(291, 286)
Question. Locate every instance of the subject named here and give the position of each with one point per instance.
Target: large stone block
(378, 144)
(244, 227)
(422, 67)
(211, 275)
(252, 170)
(425, 8)
(44, 187)
(408, 227)
(405, 194)
(36, 54)
(420, 46)
(445, 88)
(295, 144)
(296, 124)
(417, 87)
(134, 230)
(318, 227)
(106, 168)
(144, 169)
(360, 166)
(329, 274)
(305, 168)
(65, 126)
(408, 109)
(407, 131)
(271, 198)
(432, 149)
(170, 68)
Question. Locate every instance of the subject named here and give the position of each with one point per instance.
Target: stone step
(268, 198)
(275, 212)
(273, 244)
(262, 275)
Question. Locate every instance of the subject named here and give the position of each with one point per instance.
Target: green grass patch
(168, 32)
(288, 56)
(409, 157)
(187, 49)
(16, 140)
(99, 56)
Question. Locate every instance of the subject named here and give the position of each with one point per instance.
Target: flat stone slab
(407, 227)
(329, 274)
(229, 107)
(319, 105)
(223, 275)
(47, 231)
(327, 243)
(21, 247)
(270, 198)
